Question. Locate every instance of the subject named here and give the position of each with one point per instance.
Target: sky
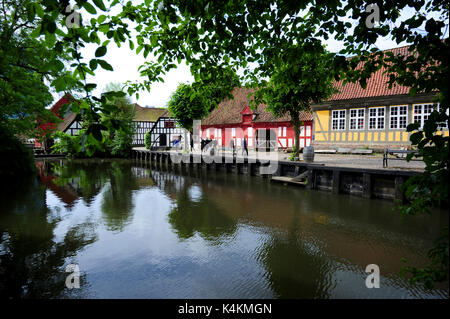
(125, 63)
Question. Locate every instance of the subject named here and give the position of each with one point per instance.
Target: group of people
(244, 146)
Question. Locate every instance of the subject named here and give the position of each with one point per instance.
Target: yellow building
(375, 117)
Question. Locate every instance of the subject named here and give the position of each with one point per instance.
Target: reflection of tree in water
(32, 262)
(189, 215)
(88, 177)
(295, 268)
(85, 177)
(117, 205)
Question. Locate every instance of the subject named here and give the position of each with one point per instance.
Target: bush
(15, 158)
(66, 144)
(147, 140)
(122, 144)
(295, 153)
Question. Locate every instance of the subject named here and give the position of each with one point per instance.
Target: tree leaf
(105, 65)
(100, 4)
(89, 8)
(101, 51)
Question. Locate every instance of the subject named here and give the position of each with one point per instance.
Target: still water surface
(141, 232)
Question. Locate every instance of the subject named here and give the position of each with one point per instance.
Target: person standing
(232, 145)
(244, 144)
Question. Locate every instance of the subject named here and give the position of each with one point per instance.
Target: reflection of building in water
(171, 184)
(143, 176)
(66, 193)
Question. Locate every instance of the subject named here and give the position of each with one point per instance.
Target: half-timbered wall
(376, 122)
(141, 127)
(164, 132)
(74, 128)
(284, 131)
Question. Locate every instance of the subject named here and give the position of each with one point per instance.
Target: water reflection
(148, 232)
(117, 205)
(193, 212)
(32, 261)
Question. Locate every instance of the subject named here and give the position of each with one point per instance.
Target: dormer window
(246, 118)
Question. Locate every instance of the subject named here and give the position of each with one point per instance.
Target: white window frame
(419, 116)
(442, 126)
(339, 118)
(356, 118)
(398, 116)
(377, 116)
(308, 130)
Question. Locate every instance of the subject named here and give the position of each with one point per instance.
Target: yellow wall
(323, 132)
(321, 119)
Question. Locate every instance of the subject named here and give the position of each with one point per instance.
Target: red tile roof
(376, 84)
(229, 111)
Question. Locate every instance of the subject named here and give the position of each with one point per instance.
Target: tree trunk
(296, 123)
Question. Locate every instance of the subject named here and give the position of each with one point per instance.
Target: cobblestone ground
(345, 160)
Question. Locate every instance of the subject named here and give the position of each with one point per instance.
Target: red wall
(223, 133)
(49, 126)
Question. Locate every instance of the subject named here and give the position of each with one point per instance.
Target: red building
(69, 122)
(234, 119)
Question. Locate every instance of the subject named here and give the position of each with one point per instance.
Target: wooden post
(367, 185)
(311, 179)
(399, 195)
(250, 169)
(336, 181)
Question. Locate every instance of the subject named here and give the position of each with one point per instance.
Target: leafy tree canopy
(306, 76)
(195, 101)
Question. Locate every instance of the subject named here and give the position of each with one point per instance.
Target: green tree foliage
(305, 76)
(15, 159)
(26, 64)
(195, 101)
(120, 117)
(186, 105)
(147, 140)
(116, 141)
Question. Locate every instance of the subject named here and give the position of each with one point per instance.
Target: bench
(392, 152)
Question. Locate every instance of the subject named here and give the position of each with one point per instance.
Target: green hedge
(147, 140)
(16, 160)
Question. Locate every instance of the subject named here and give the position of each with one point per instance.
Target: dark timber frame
(163, 132)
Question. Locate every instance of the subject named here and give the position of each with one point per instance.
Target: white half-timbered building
(165, 132)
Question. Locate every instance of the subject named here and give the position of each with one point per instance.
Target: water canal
(141, 232)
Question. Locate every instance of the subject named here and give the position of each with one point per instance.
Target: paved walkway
(343, 160)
